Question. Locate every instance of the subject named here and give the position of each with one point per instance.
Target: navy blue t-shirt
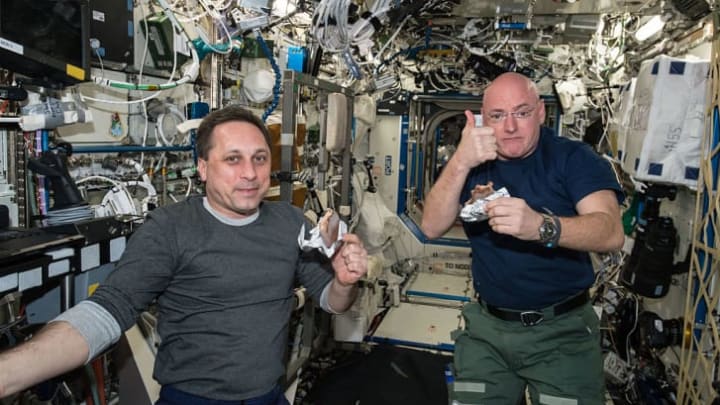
(512, 273)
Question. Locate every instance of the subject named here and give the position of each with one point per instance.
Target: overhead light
(650, 28)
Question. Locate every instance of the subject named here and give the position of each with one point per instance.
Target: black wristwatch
(549, 231)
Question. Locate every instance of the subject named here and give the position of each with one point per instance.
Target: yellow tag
(92, 288)
(74, 71)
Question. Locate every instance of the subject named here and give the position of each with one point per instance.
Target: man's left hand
(350, 261)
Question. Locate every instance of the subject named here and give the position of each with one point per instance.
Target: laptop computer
(15, 241)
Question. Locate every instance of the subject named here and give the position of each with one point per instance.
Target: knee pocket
(467, 387)
(468, 357)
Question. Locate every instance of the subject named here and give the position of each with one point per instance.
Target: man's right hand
(477, 145)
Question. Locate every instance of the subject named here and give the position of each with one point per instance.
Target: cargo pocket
(466, 387)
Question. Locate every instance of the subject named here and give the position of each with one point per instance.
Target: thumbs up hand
(477, 145)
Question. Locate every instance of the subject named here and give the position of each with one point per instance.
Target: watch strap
(553, 242)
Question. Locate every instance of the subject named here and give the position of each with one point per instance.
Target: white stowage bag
(620, 122)
(352, 325)
(668, 115)
(376, 223)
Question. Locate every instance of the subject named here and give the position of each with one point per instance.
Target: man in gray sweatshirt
(222, 269)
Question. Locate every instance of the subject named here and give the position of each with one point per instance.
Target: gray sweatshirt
(224, 294)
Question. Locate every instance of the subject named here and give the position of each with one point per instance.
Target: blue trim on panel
(414, 152)
(428, 294)
(413, 227)
(130, 148)
(415, 230)
(447, 347)
(402, 164)
(692, 173)
(715, 161)
(655, 68)
(433, 157)
(45, 146)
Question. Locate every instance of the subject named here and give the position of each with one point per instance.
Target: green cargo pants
(559, 360)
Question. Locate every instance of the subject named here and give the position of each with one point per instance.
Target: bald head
(515, 81)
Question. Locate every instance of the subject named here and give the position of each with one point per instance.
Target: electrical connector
(616, 369)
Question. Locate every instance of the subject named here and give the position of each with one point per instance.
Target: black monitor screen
(45, 38)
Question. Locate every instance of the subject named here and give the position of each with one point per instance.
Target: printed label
(11, 46)
(98, 16)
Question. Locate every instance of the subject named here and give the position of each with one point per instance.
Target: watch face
(547, 229)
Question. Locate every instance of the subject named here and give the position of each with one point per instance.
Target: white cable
(218, 19)
(362, 30)
(98, 177)
(124, 102)
(118, 198)
(332, 37)
(189, 187)
(151, 196)
(173, 111)
(139, 169)
(627, 338)
(210, 43)
(160, 163)
(102, 68)
(479, 52)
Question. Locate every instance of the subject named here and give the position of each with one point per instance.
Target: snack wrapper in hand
(475, 210)
(326, 236)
